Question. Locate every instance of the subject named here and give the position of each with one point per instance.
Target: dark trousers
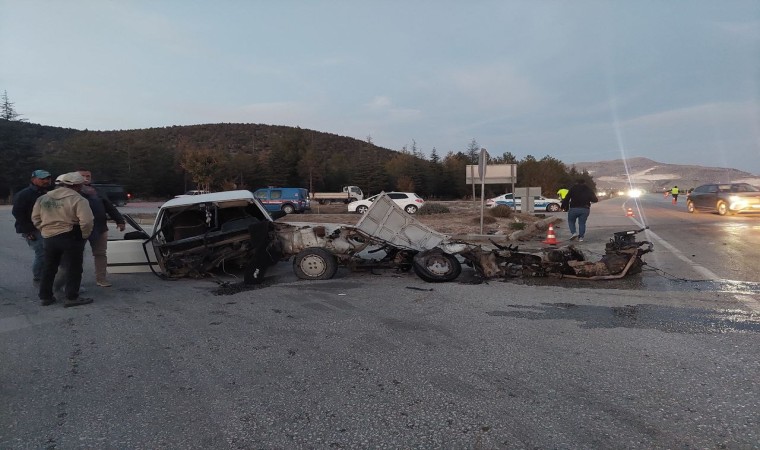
(66, 248)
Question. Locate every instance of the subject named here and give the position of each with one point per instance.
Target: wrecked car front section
(192, 238)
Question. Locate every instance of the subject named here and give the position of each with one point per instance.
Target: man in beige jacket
(65, 220)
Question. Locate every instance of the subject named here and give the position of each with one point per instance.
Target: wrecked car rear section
(403, 243)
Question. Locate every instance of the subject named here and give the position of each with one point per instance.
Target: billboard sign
(494, 174)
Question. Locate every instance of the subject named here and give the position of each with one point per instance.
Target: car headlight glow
(737, 202)
(634, 193)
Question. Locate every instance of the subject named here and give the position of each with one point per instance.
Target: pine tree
(7, 111)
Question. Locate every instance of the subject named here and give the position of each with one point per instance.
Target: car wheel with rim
(436, 266)
(722, 208)
(288, 209)
(315, 264)
(361, 209)
(410, 209)
(552, 207)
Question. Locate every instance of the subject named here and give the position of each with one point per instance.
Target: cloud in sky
(581, 81)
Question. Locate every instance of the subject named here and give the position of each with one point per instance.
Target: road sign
(495, 174)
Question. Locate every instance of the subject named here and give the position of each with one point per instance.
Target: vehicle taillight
(419, 200)
(129, 196)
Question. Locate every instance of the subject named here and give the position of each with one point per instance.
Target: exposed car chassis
(405, 244)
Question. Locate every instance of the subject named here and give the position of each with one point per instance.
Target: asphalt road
(667, 359)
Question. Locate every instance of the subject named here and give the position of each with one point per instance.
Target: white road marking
(707, 273)
(750, 302)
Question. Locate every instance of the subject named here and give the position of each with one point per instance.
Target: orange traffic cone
(629, 213)
(551, 239)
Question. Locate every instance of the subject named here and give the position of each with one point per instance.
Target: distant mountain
(655, 176)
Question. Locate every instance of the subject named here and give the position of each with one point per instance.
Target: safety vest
(562, 193)
(674, 191)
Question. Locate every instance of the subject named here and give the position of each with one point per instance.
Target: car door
(400, 198)
(268, 198)
(127, 252)
(509, 200)
(704, 197)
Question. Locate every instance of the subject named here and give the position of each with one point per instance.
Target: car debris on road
(192, 236)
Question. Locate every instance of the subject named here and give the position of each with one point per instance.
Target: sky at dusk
(674, 81)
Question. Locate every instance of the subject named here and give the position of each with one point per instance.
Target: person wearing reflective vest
(674, 193)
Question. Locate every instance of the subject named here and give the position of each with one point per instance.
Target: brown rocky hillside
(654, 176)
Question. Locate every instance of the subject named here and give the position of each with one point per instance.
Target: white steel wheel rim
(313, 265)
(438, 265)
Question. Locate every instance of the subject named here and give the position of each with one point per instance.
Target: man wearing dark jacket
(577, 203)
(23, 203)
(102, 209)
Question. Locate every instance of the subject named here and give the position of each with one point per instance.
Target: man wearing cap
(23, 203)
(65, 219)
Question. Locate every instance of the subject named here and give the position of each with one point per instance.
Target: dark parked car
(728, 198)
(113, 192)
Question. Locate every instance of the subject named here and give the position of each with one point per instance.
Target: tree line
(158, 163)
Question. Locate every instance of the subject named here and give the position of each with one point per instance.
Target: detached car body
(196, 234)
(726, 198)
(539, 202)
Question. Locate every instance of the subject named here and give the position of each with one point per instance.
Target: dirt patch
(464, 218)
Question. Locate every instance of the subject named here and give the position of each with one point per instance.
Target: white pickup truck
(349, 194)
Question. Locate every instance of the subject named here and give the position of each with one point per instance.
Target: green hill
(154, 162)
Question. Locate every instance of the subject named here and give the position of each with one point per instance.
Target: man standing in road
(577, 203)
(23, 203)
(674, 193)
(65, 219)
(102, 209)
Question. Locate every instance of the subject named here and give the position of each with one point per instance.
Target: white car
(191, 193)
(408, 201)
(195, 234)
(539, 202)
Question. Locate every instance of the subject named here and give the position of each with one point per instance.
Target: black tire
(288, 209)
(436, 266)
(552, 207)
(362, 209)
(315, 263)
(410, 209)
(690, 207)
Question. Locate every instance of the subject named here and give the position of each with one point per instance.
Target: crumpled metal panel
(387, 221)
